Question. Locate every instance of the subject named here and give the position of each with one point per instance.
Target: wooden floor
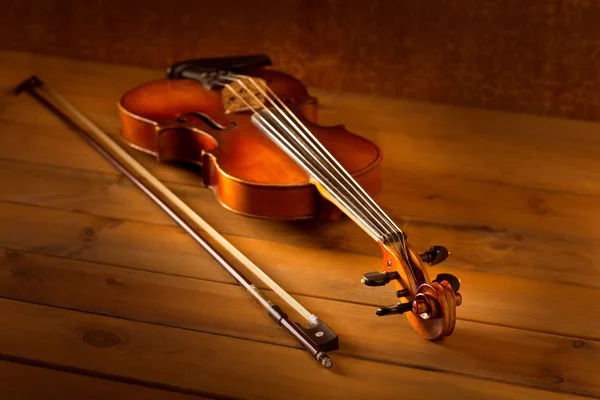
(103, 296)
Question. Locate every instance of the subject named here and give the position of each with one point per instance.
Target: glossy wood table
(103, 296)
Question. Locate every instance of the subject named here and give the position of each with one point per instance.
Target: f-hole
(204, 118)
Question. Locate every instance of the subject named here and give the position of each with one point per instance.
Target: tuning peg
(379, 278)
(399, 308)
(452, 280)
(435, 255)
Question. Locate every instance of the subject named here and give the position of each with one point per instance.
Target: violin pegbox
(429, 305)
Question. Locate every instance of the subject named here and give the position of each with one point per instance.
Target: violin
(254, 132)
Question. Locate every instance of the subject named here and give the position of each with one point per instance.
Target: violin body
(179, 120)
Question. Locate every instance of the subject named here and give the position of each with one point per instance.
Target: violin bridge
(244, 94)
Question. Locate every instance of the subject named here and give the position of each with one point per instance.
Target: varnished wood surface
(103, 293)
(22, 381)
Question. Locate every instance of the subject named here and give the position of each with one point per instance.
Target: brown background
(537, 56)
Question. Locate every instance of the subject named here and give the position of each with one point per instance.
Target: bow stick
(317, 339)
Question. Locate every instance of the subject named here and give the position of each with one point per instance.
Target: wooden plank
(536, 251)
(194, 361)
(492, 352)
(514, 149)
(448, 201)
(319, 272)
(104, 79)
(27, 382)
(471, 144)
(30, 143)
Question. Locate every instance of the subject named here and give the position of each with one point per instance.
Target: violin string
(326, 155)
(356, 204)
(306, 158)
(317, 153)
(302, 160)
(334, 164)
(395, 231)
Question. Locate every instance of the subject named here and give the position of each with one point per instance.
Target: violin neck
(332, 180)
(281, 125)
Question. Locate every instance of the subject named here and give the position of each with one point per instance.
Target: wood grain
(474, 349)
(194, 361)
(86, 255)
(323, 273)
(514, 248)
(26, 382)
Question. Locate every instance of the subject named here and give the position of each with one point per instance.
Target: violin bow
(317, 339)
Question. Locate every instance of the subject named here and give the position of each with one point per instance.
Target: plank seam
(347, 251)
(151, 384)
(494, 182)
(113, 377)
(364, 304)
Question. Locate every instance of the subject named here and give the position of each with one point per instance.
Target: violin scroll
(430, 305)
